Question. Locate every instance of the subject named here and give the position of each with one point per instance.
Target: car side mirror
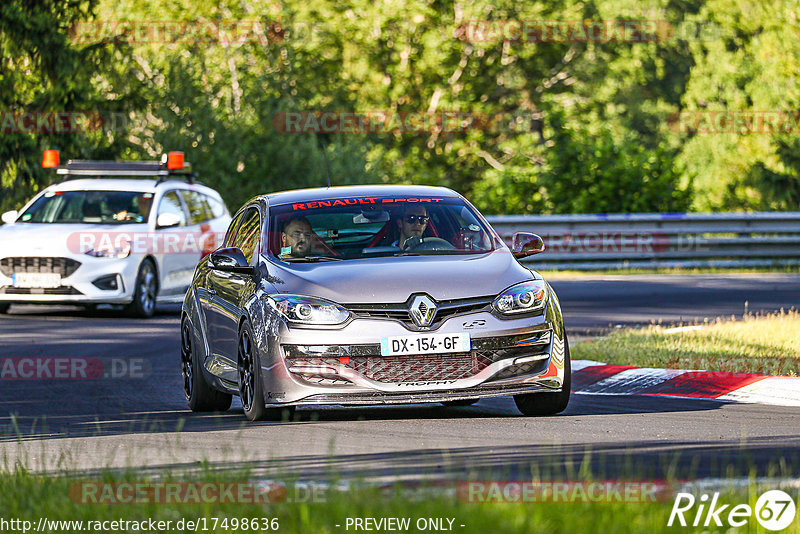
(167, 220)
(10, 217)
(526, 244)
(230, 260)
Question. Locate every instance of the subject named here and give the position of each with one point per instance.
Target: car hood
(394, 279)
(56, 240)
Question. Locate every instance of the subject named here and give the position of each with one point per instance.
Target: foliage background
(592, 131)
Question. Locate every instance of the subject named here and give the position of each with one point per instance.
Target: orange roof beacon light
(175, 160)
(50, 159)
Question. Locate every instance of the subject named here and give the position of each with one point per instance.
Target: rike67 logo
(774, 510)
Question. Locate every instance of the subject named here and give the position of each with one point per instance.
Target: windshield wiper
(439, 252)
(312, 259)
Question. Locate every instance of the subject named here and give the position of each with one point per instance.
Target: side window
(217, 207)
(248, 235)
(230, 235)
(199, 212)
(170, 203)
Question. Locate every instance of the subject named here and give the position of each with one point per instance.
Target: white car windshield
(343, 229)
(101, 207)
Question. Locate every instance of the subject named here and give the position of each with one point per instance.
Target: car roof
(138, 185)
(350, 191)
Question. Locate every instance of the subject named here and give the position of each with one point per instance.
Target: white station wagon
(124, 233)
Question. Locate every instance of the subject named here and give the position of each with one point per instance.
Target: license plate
(425, 344)
(37, 280)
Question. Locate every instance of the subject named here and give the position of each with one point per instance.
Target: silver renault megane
(370, 295)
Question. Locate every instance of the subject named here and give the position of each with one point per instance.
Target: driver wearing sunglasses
(411, 225)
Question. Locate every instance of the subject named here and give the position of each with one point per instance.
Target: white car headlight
(308, 310)
(111, 251)
(522, 298)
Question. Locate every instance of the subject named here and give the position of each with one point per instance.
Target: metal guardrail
(666, 240)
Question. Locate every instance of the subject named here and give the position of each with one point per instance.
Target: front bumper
(344, 366)
(77, 286)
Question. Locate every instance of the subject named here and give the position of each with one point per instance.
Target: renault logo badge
(422, 309)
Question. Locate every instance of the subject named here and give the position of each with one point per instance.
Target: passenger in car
(297, 238)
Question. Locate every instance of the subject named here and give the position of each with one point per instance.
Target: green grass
(29, 497)
(556, 274)
(767, 344)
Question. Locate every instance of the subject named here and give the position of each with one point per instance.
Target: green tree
(751, 65)
(595, 174)
(557, 126)
(215, 96)
(42, 71)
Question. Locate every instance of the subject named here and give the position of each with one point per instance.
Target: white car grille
(63, 266)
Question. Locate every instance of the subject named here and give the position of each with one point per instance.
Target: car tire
(460, 402)
(251, 391)
(4, 307)
(145, 291)
(200, 396)
(548, 403)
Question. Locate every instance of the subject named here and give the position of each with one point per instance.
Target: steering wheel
(428, 243)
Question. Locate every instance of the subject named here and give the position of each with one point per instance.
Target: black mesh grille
(419, 368)
(63, 266)
(416, 368)
(367, 361)
(399, 368)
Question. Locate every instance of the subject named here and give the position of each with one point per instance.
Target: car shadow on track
(34, 311)
(663, 460)
(118, 423)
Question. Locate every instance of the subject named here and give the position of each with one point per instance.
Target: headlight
(111, 251)
(308, 310)
(522, 298)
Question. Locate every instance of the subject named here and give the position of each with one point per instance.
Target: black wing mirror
(526, 244)
(230, 260)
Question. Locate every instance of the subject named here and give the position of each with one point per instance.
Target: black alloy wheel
(200, 396)
(146, 289)
(251, 391)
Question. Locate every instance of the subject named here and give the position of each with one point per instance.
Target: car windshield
(103, 207)
(355, 228)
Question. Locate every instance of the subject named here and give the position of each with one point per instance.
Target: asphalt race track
(605, 301)
(135, 416)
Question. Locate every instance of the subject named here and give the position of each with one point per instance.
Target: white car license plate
(425, 344)
(37, 280)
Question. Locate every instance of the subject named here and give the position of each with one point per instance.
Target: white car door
(177, 258)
